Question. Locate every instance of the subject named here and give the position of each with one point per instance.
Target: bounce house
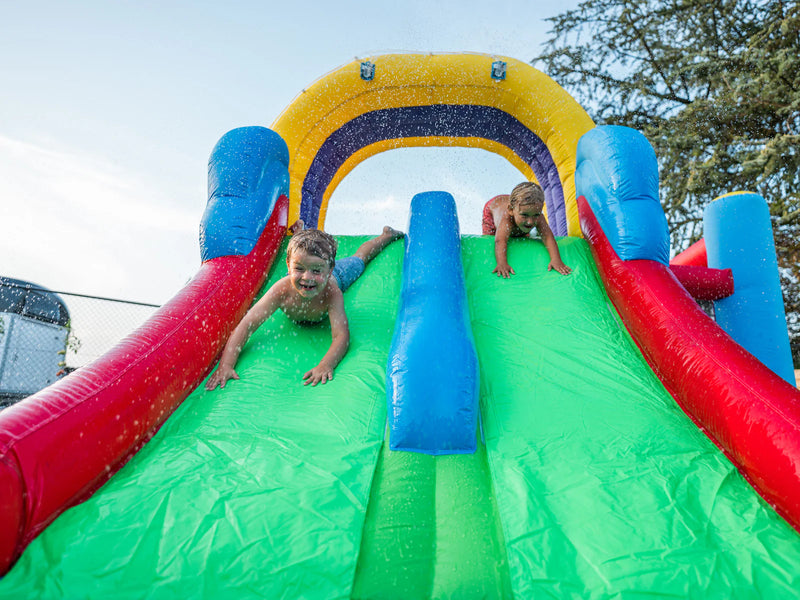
(595, 435)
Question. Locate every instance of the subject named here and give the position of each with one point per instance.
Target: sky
(109, 110)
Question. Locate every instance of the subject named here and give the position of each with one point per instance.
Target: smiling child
(312, 289)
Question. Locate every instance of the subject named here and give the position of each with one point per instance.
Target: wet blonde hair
(314, 242)
(526, 193)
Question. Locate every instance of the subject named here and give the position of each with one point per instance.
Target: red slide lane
(749, 412)
(58, 446)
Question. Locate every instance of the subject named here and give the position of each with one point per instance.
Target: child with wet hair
(311, 291)
(516, 215)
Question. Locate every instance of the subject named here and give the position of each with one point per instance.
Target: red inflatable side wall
(58, 446)
(749, 412)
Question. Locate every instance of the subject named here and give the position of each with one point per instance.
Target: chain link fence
(97, 324)
(45, 334)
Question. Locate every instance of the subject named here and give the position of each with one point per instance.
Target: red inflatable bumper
(58, 446)
(749, 412)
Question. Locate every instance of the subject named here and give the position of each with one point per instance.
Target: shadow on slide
(592, 482)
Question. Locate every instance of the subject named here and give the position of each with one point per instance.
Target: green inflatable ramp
(604, 487)
(256, 491)
(591, 484)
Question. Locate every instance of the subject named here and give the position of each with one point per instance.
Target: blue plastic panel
(617, 173)
(432, 374)
(738, 235)
(247, 173)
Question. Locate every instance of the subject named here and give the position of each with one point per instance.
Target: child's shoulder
(333, 292)
(282, 284)
(280, 289)
(500, 201)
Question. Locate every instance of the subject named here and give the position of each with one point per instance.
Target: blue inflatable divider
(738, 234)
(247, 172)
(432, 374)
(617, 173)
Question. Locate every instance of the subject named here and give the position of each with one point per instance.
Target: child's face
(526, 215)
(308, 273)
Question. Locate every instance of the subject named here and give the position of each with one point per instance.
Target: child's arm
(503, 269)
(552, 247)
(259, 313)
(340, 341)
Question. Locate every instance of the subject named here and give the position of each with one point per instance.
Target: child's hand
(559, 266)
(504, 270)
(220, 377)
(322, 373)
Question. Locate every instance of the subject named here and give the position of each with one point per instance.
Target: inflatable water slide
(595, 435)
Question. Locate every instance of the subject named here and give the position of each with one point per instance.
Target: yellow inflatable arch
(391, 101)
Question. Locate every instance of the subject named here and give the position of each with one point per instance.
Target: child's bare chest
(301, 309)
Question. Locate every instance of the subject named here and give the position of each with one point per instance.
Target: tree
(715, 87)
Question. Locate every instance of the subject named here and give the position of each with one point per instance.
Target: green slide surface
(432, 530)
(255, 491)
(592, 482)
(604, 487)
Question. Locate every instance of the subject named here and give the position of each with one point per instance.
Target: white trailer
(34, 326)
